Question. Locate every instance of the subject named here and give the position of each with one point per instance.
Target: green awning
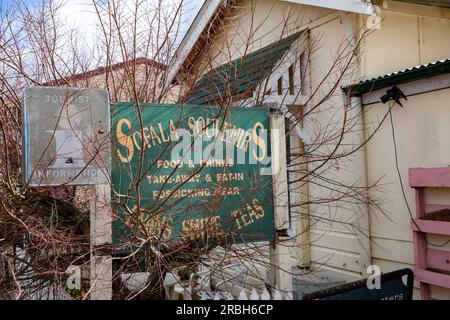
(411, 74)
(241, 75)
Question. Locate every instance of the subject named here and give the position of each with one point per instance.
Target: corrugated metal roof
(241, 75)
(407, 75)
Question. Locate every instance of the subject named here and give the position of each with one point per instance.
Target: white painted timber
(101, 234)
(200, 22)
(356, 6)
(279, 172)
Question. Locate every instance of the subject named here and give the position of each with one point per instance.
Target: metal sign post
(66, 142)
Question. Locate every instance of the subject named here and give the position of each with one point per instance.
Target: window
(280, 86)
(291, 80)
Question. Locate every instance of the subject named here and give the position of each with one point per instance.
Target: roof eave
(434, 3)
(211, 7)
(355, 6)
(202, 19)
(357, 90)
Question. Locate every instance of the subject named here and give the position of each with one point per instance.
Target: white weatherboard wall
(413, 36)
(410, 35)
(423, 138)
(335, 246)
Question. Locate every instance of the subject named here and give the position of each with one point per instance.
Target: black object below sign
(391, 288)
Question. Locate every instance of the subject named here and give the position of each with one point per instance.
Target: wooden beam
(435, 207)
(279, 172)
(434, 278)
(356, 6)
(420, 243)
(429, 177)
(101, 235)
(429, 226)
(438, 259)
(280, 256)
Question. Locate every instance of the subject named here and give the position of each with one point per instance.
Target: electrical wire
(401, 181)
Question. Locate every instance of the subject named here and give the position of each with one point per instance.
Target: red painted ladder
(426, 258)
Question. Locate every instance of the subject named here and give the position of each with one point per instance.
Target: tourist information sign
(65, 136)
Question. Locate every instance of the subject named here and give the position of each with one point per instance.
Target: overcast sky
(79, 14)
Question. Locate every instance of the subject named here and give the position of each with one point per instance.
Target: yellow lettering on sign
(260, 142)
(125, 141)
(245, 217)
(200, 228)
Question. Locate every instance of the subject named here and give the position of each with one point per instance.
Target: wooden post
(299, 191)
(279, 172)
(280, 256)
(420, 244)
(101, 234)
(280, 260)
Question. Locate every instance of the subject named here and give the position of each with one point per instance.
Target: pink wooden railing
(426, 258)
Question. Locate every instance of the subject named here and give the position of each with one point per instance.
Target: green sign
(191, 173)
